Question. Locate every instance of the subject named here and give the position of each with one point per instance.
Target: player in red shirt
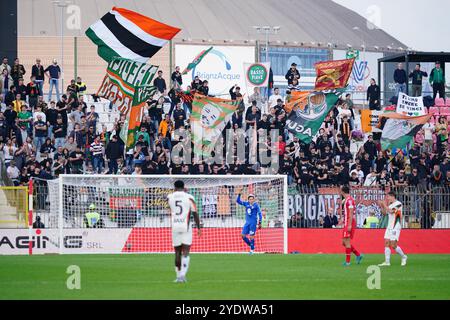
(349, 222)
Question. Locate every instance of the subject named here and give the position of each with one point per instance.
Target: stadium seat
(445, 111)
(439, 102)
(434, 111)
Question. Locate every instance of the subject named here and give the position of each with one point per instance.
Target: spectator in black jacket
(400, 79)
(114, 151)
(38, 224)
(292, 74)
(373, 95)
(38, 72)
(196, 83)
(204, 89)
(17, 72)
(10, 96)
(160, 83)
(177, 80)
(330, 220)
(371, 148)
(235, 92)
(417, 76)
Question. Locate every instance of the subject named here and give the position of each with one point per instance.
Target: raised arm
(239, 201)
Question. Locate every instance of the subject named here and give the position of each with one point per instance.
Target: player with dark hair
(394, 209)
(253, 218)
(182, 205)
(349, 222)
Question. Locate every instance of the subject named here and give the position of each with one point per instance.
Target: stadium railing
(423, 208)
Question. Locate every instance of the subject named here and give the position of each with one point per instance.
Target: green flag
(196, 61)
(141, 95)
(306, 119)
(208, 119)
(399, 130)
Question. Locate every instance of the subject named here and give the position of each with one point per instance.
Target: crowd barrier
(423, 208)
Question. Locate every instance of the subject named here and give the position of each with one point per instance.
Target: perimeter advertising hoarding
(365, 68)
(222, 66)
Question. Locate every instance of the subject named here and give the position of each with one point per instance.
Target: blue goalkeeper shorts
(249, 229)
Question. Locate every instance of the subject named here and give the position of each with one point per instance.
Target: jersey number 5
(178, 205)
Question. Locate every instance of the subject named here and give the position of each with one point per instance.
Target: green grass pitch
(223, 276)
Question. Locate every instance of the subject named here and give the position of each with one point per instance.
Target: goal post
(135, 218)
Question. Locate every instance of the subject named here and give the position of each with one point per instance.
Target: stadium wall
(435, 241)
(90, 67)
(136, 240)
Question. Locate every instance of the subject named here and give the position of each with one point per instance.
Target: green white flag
(208, 119)
(399, 130)
(305, 120)
(122, 78)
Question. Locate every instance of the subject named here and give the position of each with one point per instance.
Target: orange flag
(297, 100)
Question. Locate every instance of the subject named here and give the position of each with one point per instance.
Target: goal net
(135, 217)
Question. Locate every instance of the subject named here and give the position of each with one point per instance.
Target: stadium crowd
(42, 138)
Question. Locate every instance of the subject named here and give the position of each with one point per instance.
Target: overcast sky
(421, 24)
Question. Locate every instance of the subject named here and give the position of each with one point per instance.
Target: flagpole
(170, 61)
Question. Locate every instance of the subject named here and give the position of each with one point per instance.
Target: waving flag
(128, 34)
(399, 130)
(141, 95)
(196, 61)
(122, 78)
(306, 119)
(333, 74)
(208, 119)
(296, 100)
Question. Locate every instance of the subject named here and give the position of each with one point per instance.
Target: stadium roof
(307, 21)
(418, 57)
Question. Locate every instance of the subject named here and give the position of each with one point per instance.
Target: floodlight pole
(62, 5)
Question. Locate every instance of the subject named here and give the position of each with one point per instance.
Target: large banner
(208, 119)
(222, 66)
(399, 130)
(122, 78)
(313, 205)
(311, 110)
(410, 106)
(364, 68)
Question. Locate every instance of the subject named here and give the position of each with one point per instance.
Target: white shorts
(393, 233)
(179, 238)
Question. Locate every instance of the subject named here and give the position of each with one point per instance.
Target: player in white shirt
(182, 205)
(394, 210)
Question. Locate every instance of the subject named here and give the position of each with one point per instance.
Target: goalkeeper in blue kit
(253, 218)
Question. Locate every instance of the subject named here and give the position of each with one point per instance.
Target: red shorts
(346, 234)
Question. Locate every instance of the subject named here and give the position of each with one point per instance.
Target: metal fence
(320, 207)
